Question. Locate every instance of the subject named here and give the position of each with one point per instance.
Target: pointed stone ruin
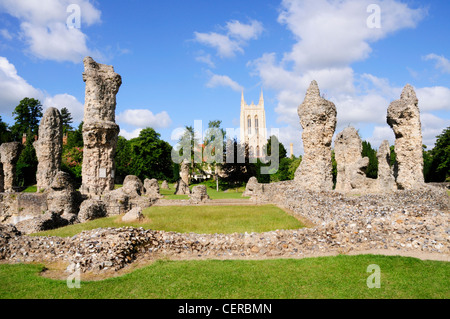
(9, 154)
(199, 194)
(181, 188)
(318, 120)
(100, 132)
(49, 148)
(403, 116)
(351, 166)
(165, 185)
(385, 179)
(151, 188)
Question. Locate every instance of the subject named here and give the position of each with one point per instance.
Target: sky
(187, 61)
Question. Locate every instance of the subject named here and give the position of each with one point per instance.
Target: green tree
(5, 134)
(334, 168)
(67, 119)
(72, 163)
(439, 170)
(293, 166)
(75, 138)
(27, 163)
(282, 153)
(123, 158)
(213, 144)
(372, 168)
(27, 116)
(237, 170)
(150, 156)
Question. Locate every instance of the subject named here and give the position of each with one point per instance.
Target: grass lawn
(30, 189)
(198, 219)
(213, 193)
(324, 277)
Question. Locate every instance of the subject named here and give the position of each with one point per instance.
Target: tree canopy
(27, 117)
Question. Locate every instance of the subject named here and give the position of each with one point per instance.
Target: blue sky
(182, 61)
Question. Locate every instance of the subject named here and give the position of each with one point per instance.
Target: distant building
(253, 126)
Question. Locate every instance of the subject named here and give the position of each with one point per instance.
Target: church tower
(253, 126)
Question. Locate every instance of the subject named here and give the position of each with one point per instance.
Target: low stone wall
(15, 207)
(404, 221)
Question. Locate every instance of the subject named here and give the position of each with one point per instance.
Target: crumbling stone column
(49, 148)
(385, 179)
(100, 132)
(351, 166)
(2, 188)
(318, 120)
(403, 116)
(184, 171)
(9, 154)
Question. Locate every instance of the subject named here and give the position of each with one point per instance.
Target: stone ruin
(181, 188)
(164, 185)
(351, 166)
(341, 224)
(9, 154)
(318, 120)
(49, 148)
(184, 171)
(151, 188)
(199, 194)
(403, 116)
(385, 178)
(182, 185)
(100, 132)
(57, 203)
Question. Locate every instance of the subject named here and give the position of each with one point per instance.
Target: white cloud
(341, 26)
(129, 135)
(434, 98)
(206, 59)
(223, 80)
(330, 36)
(442, 63)
(6, 34)
(144, 118)
(13, 88)
(59, 101)
(43, 27)
(227, 45)
(244, 31)
(379, 134)
(432, 126)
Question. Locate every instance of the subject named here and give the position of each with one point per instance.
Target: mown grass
(325, 277)
(235, 193)
(198, 219)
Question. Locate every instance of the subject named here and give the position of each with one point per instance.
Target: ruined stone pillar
(403, 116)
(351, 166)
(385, 179)
(184, 171)
(2, 188)
(9, 154)
(100, 132)
(49, 148)
(318, 120)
